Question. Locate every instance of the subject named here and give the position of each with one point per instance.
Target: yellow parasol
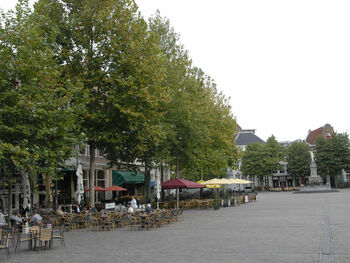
(217, 181)
(209, 185)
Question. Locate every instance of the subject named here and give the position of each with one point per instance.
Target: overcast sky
(285, 64)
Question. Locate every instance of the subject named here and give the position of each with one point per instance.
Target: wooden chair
(20, 238)
(45, 236)
(134, 221)
(105, 223)
(58, 234)
(5, 244)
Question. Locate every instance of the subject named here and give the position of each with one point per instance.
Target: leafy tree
(298, 157)
(261, 159)
(106, 45)
(38, 127)
(199, 125)
(254, 161)
(332, 155)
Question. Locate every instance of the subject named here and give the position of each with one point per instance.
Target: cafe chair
(5, 244)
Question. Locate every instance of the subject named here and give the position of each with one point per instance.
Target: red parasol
(115, 188)
(180, 183)
(97, 188)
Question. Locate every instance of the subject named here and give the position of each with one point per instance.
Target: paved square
(279, 227)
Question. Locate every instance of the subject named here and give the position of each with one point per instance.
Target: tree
(38, 125)
(198, 123)
(332, 155)
(105, 44)
(298, 157)
(254, 161)
(261, 159)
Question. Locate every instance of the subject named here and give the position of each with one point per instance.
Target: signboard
(110, 206)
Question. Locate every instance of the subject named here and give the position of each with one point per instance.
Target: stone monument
(315, 181)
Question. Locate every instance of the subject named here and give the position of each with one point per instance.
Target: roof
(246, 138)
(322, 131)
(121, 178)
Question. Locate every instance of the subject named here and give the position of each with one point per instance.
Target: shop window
(85, 178)
(100, 178)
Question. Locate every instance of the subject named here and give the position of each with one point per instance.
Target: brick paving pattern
(279, 227)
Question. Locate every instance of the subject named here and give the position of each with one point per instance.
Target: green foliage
(199, 126)
(261, 159)
(298, 158)
(95, 71)
(38, 125)
(332, 155)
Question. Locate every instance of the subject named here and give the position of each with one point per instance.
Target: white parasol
(26, 190)
(80, 186)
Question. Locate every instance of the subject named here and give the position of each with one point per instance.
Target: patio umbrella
(97, 188)
(209, 185)
(114, 188)
(80, 187)
(217, 181)
(178, 183)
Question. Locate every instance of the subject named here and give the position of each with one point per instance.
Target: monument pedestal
(315, 181)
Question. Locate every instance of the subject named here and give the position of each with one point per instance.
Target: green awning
(121, 178)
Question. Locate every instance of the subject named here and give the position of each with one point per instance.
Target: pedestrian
(133, 202)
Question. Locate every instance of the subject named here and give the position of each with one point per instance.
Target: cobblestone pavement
(279, 227)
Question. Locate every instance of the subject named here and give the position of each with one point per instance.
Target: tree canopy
(96, 71)
(332, 155)
(262, 159)
(298, 158)
(38, 125)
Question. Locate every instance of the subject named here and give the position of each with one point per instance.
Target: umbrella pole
(177, 198)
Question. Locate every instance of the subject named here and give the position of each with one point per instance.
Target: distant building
(325, 131)
(242, 140)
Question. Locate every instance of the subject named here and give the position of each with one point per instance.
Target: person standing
(133, 202)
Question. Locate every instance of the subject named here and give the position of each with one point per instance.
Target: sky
(284, 64)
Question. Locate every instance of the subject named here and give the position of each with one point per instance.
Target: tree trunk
(177, 167)
(161, 181)
(328, 178)
(48, 190)
(147, 183)
(9, 202)
(92, 175)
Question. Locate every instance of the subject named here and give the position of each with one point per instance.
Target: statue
(314, 179)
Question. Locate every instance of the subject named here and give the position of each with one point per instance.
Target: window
(267, 181)
(82, 150)
(85, 178)
(100, 178)
(100, 153)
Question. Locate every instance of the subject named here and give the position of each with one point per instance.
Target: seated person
(15, 218)
(76, 208)
(92, 208)
(131, 209)
(2, 219)
(37, 219)
(59, 211)
(148, 208)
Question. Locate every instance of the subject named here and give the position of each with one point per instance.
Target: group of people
(17, 220)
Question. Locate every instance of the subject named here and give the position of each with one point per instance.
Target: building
(244, 137)
(325, 131)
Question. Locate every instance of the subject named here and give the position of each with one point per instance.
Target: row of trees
(332, 155)
(95, 72)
